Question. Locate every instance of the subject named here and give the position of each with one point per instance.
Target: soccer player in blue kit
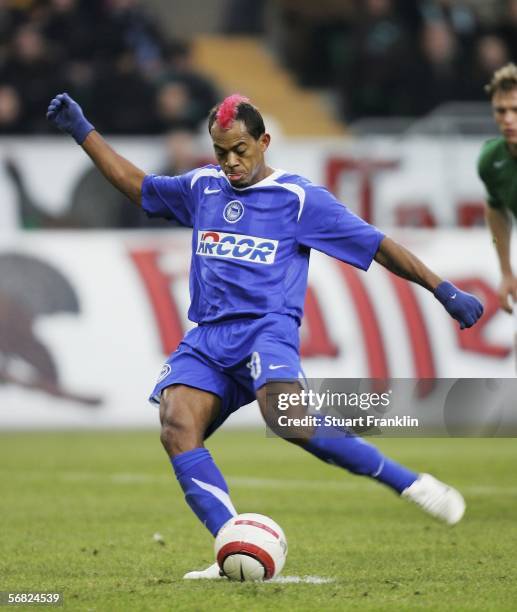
(253, 229)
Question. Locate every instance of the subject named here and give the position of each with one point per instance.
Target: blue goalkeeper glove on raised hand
(462, 306)
(68, 116)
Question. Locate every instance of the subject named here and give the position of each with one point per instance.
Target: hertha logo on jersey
(236, 246)
(233, 211)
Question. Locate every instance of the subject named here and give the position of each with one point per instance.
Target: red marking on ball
(245, 548)
(259, 525)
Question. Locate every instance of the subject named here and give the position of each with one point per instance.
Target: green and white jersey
(497, 168)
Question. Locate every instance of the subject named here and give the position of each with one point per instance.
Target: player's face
(504, 105)
(240, 156)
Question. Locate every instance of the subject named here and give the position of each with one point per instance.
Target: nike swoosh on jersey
(500, 163)
(208, 191)
(275, 367)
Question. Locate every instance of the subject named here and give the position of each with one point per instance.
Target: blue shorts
(232, 359)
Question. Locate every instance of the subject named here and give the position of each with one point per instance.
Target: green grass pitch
(79, 509)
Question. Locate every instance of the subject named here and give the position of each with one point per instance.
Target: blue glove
(462, 306)
(68, 116)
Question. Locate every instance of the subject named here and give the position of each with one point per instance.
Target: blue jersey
(251, 246)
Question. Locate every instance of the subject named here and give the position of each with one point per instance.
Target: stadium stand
(380, 58)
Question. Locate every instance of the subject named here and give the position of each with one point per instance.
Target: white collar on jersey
(269, 181)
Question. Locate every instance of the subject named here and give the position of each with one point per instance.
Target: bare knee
(185, 414)
(285, 419)
(178, 433)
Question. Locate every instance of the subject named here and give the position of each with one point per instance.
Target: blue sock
(205, 490)
(345, 449)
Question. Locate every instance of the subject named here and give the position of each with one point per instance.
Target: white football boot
(210, 573)
(438, 499)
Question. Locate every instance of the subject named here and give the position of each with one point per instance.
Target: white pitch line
(116, 478)
(299, 580)
(129, 478)
(365, 486)
(488, 490)
(284, 483)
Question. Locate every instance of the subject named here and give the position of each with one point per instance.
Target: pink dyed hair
(227, 111)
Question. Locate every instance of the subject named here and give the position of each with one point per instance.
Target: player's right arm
(500, 224)
(68, 116)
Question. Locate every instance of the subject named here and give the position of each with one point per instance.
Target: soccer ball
(251, 547)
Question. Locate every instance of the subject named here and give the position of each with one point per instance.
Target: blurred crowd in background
(117, 58)
(380, 57)
(398, 57)
(111, 56)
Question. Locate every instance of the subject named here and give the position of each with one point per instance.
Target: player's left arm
(462, 306)
(397, 259)
(328, 226)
